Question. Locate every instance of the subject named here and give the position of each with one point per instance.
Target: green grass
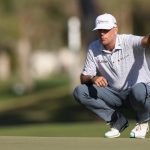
(47, 102)
(86, 129)
(55, 130)
(72, 143)
(73, 136)
(7, 88)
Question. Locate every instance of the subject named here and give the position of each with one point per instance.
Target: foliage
(44, 22)
(36, 19)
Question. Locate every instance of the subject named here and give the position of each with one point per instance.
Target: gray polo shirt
(125, 66)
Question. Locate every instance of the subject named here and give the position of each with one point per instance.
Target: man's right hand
(100, 81)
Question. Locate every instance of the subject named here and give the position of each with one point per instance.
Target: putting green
(71, 143)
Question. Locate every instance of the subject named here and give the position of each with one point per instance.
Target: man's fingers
(104, 82)
(101, 82)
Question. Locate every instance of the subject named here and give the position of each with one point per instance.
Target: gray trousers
(106, 102)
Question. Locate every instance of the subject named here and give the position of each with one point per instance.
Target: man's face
(107, 36)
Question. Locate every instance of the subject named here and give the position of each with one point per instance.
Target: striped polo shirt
(125, 66)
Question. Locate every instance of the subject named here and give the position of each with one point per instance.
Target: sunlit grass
(85, 129)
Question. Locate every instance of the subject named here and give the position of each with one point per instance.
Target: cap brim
(104, 26)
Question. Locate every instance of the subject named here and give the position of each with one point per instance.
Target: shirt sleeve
(89, 65)
(135, 41)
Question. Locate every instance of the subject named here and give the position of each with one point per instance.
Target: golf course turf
(71, 143)
(71, 136)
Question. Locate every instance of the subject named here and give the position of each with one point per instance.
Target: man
(116, 75)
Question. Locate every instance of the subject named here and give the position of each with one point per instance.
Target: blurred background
(42, 49)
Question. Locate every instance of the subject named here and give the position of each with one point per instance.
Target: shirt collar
(117, 46)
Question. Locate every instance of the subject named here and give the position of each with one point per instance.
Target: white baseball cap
(105, 21)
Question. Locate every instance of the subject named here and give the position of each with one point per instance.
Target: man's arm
(86, 79)
(146, 41)
(100, 81)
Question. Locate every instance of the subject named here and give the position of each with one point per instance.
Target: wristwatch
(91, 77)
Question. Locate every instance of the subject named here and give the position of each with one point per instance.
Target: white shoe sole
(132, 135)
(115, 136)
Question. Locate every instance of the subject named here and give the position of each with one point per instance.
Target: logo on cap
(105, 21)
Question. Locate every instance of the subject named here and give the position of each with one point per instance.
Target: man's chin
(104, 43)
